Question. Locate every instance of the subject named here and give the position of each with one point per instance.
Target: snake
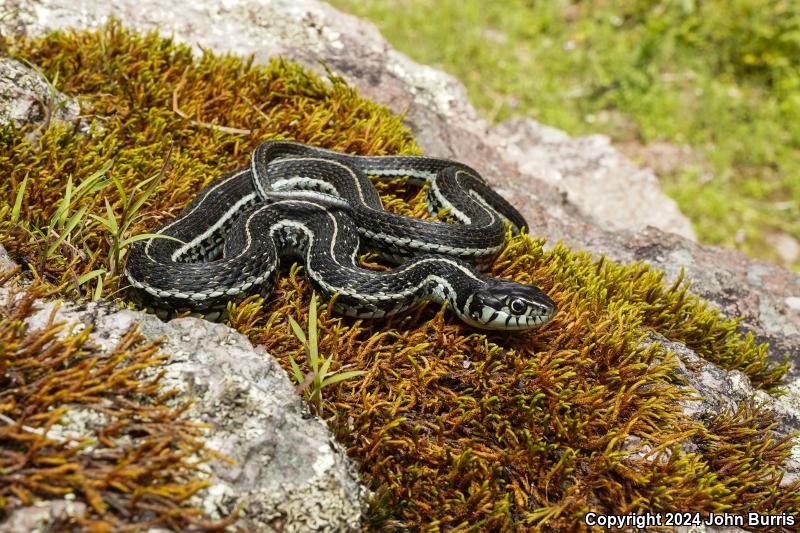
(320, 206)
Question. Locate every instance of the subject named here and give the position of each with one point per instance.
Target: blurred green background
(705, 92)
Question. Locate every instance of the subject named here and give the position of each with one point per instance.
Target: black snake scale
(320, 206)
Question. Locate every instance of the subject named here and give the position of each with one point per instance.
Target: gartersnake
(319, 205)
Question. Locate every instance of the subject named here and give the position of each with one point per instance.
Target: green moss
(452, 427)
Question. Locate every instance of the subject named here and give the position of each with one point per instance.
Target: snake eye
(518, 306)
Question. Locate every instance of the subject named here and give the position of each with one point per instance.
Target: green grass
(720, 76)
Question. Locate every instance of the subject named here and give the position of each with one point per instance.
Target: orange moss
(453, 428)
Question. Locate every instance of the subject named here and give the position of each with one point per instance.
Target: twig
(75, 279)
(69, 246)
(299, 389)
(255, 108)
(36, 431)
(181, 114)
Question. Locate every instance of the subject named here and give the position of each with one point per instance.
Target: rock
(787, 247)
(44, 516)
(599, 180)
(6, 263)
(719, 390)
(755, 290)
(435, 104)
(665, 158)
(290, 473)
(27, 97)
(445, 124)
(437, 110)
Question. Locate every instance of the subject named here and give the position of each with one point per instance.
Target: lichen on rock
(449, 425)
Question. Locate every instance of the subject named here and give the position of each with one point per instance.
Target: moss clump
(454, 428)
(496, 431)
(137, 461)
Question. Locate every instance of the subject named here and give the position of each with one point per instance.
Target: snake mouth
(509, 306)
(501, 321)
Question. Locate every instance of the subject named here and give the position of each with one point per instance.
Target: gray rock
(436, 104)
(41, 517)
(27, 97)
(594, 177)
(759, 292)
(788, 247)
(289, 475)
(718, 390)
(6, 263)
(516, 157)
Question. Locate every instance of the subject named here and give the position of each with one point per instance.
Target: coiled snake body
(319, 205)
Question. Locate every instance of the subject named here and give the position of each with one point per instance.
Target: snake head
(506, 305)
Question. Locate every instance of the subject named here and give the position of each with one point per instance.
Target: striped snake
(320, 205)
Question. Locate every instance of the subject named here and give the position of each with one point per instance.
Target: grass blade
(298, 331)
(112, 219)
(102, 221)
(98, 290)
(63, 206)
(313, 349)
(91, 275)
(142, 236)
(123, 196)
(18, 200)
(296, 372)
(341, 376)
(89, 182)
(325, 366)
(70, 225)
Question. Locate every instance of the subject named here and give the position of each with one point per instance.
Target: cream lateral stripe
(248, 234)
(489, 209)
(425, 245)
(235, 289)
(458, 214)
(475, 195)
(295, 199)
(399, 172)
(384, 296)
(480, 199)
(445, 203)
(314, 195)
(251, 280)
(427, 175)
(195, 208)
(256, 180)
(232, 211)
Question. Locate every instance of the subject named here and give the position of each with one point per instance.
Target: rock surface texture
(718, 390)
(577, 190)
(289, 475)
(27, 97)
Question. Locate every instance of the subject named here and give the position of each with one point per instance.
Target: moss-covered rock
(453, 428)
